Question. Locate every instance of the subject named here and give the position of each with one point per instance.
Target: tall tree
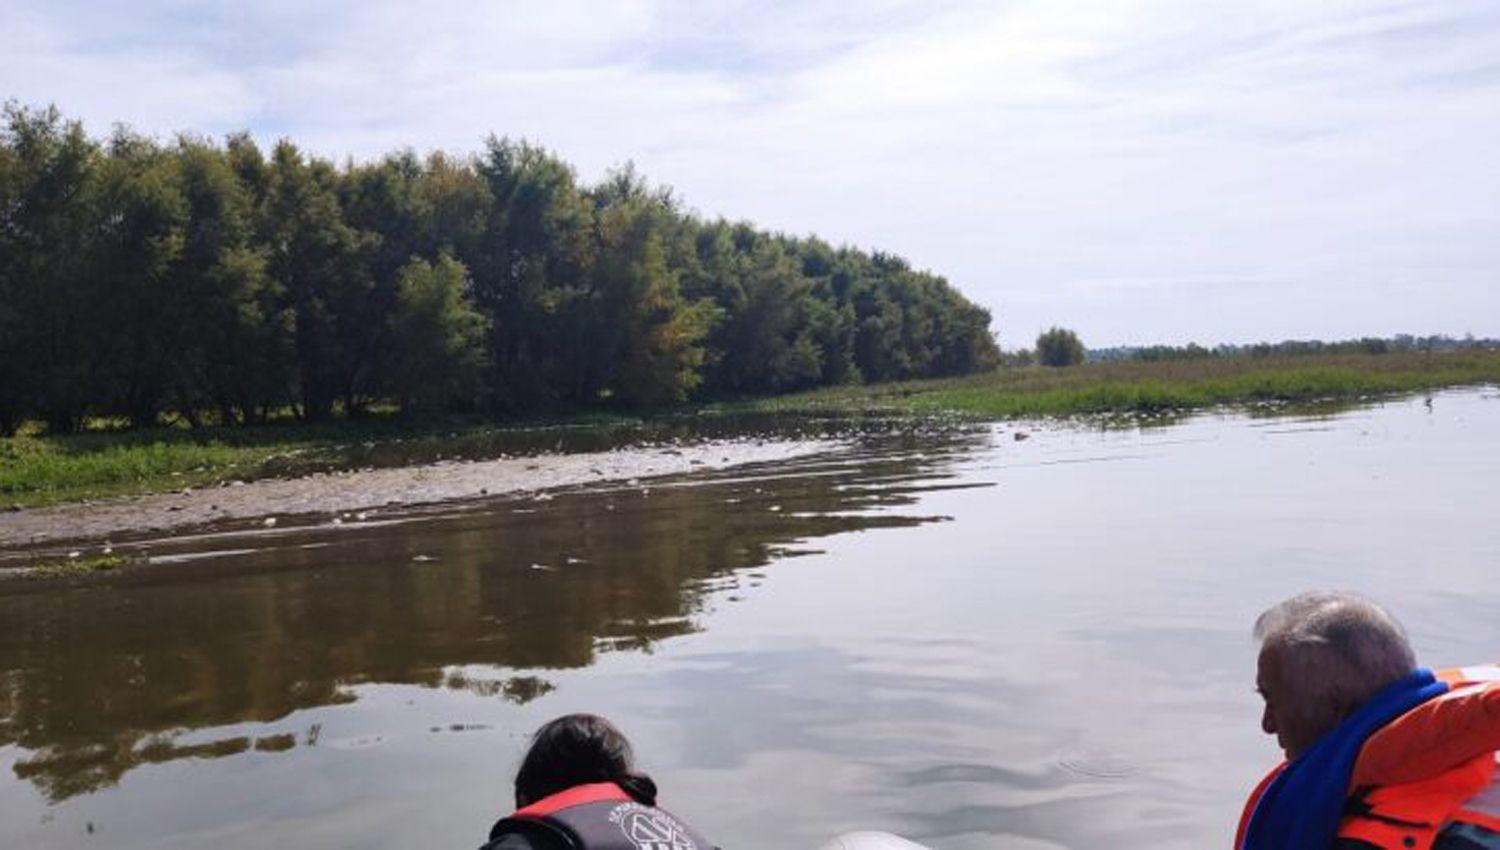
(142, 235)
(320, 262)
(237, 352)
(437, 337)
(51, 325)
(653, 337)
(530, 276)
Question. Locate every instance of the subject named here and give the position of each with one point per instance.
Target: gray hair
(1339, 646)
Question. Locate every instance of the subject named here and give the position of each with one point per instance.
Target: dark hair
(578, 749)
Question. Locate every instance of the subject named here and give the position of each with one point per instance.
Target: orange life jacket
(1433, 766)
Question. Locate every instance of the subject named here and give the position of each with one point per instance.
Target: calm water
(965, 638)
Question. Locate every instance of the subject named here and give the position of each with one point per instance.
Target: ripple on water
(1098, 764)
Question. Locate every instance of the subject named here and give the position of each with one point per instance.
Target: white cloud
(1140, 171)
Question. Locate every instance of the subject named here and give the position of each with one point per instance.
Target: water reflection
(597, 437)
(97, 681)
(1065, 664)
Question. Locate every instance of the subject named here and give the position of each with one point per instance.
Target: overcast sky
(1139, 171)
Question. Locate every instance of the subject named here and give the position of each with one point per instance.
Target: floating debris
(275, 743)
(1021, 435)
(544, 568)
(269, 522)
(423, 559)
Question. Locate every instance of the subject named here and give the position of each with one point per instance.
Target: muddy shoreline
(349, 492)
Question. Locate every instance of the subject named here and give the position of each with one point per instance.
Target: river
(947, 632)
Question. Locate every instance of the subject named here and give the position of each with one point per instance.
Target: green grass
(80, 566)
(35, 470)
(1149, 388)
(39, 469)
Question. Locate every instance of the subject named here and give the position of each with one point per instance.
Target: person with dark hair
(578, 789)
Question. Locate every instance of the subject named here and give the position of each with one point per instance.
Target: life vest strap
(578, 795)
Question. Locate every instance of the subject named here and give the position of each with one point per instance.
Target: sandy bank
(339, 492)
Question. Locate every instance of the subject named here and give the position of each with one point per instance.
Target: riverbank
(354, 497)
(1149, 388)
(36, 471)
(40, 470)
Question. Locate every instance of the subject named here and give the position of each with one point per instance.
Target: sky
(1141, 172)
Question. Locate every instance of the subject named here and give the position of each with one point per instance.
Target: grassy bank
(1152, 387)
(39, 470)
(44, 469)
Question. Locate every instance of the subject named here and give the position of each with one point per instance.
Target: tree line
(223, 283)
(1297, 348)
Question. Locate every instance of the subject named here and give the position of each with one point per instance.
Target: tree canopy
(223, 282)
(1059, 347)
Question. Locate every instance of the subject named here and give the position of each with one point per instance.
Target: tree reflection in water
(97, 681)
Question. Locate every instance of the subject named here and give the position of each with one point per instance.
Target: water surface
(970, 639)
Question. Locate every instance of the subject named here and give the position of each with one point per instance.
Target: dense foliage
(224, 283)
(1059, 347)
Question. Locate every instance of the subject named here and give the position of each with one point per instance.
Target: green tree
(237, 356)
(321, 264)
(649, 336)
(437, 337)
(831, 318)
(143, 279)
(767, 335)
(52, 324)
(1059, 347)
(141, 240)
(531, 275)
(457, 204)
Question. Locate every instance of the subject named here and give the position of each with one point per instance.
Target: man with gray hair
(1379, 753)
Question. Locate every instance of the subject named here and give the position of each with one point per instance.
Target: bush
(1059, 347)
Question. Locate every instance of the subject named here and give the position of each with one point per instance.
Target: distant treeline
(1294, 347)
(222, 283)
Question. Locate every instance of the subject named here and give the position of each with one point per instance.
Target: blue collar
(1301, 808)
